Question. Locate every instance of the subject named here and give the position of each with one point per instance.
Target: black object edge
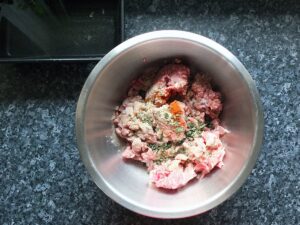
(74, 59)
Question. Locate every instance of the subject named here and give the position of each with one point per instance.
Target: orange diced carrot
(175, 107)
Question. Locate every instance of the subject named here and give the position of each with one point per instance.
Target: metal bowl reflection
(105, 88)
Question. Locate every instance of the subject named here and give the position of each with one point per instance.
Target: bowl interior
(126, 181)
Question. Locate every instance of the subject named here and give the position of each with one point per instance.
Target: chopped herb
(166, 116)
(158, 161)
(145, 118)
(180, 142)
(189, 133)
(202, 126)
(154, 147)
(191, 125)
(174, 123)
(157, 147)
(194, 129)
(181, 151)
(163, 155)
(165, 146)
(179, 129)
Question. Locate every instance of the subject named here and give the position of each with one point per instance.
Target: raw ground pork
(174, 128)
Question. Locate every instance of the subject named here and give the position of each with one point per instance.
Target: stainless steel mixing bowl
(105, 88)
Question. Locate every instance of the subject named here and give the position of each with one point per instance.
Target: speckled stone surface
(42, 180)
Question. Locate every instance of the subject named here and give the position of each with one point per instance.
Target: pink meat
(171, 80)
(173, 132)
(142, 83)
(153, 127)
(135, 149)
(139, 150)
(121, 117)
(206, 162)
(169, 132)
(201, 100)
(163, 177)
(221, 131)
(125, 126)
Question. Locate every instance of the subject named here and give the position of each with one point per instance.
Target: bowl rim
(81, 111)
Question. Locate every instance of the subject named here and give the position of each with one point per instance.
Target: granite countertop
(42, 178)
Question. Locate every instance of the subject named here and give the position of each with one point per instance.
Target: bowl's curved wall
(127, 182)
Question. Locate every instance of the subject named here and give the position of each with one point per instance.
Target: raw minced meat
(167, 128)
(171, 79)
(201, 100)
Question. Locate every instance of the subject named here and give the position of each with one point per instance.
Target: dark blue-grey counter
(42, 178)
